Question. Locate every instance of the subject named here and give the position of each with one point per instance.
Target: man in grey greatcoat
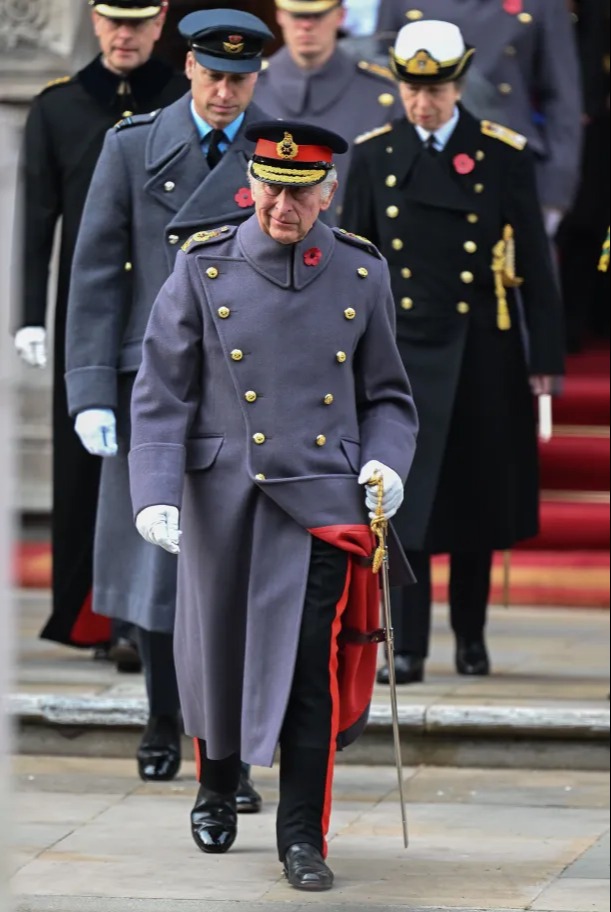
(313, 80)
(526, 76)
(271, 388)
(159, 177)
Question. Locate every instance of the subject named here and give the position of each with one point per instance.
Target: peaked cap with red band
(293, 154)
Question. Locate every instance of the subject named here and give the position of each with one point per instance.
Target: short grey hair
(326, 185)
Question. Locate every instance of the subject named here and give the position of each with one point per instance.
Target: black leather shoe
(472, 657)
(409, 669)
(159, 754)
(126, 656)
(248, 800)
(305, 869)
(214, 822)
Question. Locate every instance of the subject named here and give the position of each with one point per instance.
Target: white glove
(393, 489)
(97, 429)
(31, 345)
(159, 525)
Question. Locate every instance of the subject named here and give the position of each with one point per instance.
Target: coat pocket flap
(202, 452)
(352, 451)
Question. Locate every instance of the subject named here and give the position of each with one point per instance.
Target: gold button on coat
(480, 156)
(321, 440)
(479, 188)
(392, 211)
(261, 477)
(511, 50)
(397, 244)
(127, 114)
(525, 18)
(470, 246)
(237, 355)
(251, 396)
(386, 99)
(407, 303)
(329, 399)
(224, 313)
(350, 313)
(391, 180)
(259, 439)
(342, 357)
(169, 186)
(414, 15)
(472, 218)
(505, 88)
(467, 277)
(212, 272)
(173, 239)
(128, 267)
(406, 273)
(362, 272)
(463, 307)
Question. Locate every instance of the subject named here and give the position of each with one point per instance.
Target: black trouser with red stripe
(308, 736)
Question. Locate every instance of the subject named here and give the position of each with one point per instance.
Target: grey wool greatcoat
(525, 75)
(266, 385)
(152, 188)
(474, 483)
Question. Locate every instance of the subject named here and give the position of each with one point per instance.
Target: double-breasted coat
(63, 137)
(270, 377)
(525, 74)
(345, 95)
(474, 483)
(151, 189)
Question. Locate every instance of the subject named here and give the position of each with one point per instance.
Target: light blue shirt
(204, 129)
(443, 134)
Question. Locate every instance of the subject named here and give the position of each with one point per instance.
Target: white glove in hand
(159, 525)
(393, 489)
(97, 429)
(31, 345)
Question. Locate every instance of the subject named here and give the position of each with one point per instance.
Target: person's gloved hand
(31, 345)
(97, 429)
(159, 525)
(393, 489)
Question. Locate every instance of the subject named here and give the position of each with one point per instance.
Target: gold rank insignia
(62, 80)
(422, 64)
(202, 237)
(287, 149)
(376, 69)
(379, 131)
(234, 44)
(357, 240)
(504, 134)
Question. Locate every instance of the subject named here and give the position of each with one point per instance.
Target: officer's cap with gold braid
(225, 40)
(430, 52)
(308, 7)
(127, 9)
(292, 154)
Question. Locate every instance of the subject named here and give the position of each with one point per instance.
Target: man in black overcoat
(452, 203)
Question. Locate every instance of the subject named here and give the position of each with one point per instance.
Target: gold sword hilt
(379, 524)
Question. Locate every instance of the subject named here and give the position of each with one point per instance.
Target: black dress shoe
(248, 800)
(409, 669)
(305, 869)
(126, 656)
(159, 754)
(214, 822)
(472, 657)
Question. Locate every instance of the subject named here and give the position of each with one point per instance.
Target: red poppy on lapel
(244, 198)
(463, 163)
(313, 256)
(513, 7)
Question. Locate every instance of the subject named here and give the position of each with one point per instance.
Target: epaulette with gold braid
(205, 237)
(357, 240)
(376, 70)
(504, 134)
(61, 80)
(379, 131)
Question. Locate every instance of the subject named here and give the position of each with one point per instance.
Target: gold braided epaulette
(504, 134)
(61, 80)
(376, 70)
(357, 240)
(204, 237)
(379, 131)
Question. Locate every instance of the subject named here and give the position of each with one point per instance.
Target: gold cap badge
(287, 148)
(234, 44)
(422, 64)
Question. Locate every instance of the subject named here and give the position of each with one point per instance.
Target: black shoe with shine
(305, 869)
(214, 822)
(472, 657)
(409, 669)
(248, 800)
(159, 754)
(126, 656)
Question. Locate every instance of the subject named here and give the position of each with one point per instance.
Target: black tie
(430, 145)
(214, 153)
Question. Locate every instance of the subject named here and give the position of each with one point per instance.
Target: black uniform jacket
(63, 138)
(474, 483)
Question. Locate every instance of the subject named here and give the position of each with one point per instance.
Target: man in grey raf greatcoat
(270, 390)
(526, 76)
(159, 177)
(313, 80)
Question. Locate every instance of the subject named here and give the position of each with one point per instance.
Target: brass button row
(406, 273)
(259, 439)
(238, 355)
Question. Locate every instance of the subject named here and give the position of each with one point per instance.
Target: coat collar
(285, 264)
(144, 84)
(311, 91)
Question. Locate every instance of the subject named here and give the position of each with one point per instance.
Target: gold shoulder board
(203, 237)
(56, 82)
(376, 69)
(357, 240)
(372, 134)
(505, 134)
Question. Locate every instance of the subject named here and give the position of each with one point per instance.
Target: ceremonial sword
(381, 564)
